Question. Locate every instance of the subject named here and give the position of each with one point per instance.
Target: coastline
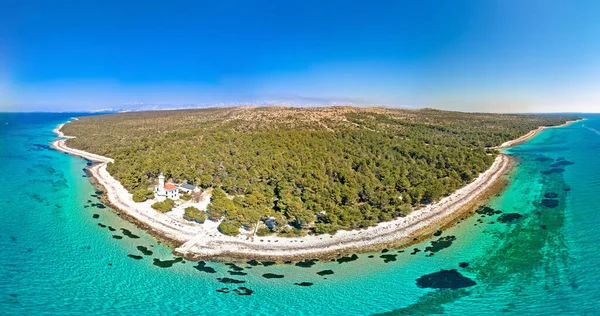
(400, 232)
(529, 135)
(116, 195)
(195, 242)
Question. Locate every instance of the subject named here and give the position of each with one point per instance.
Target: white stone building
(166, 190)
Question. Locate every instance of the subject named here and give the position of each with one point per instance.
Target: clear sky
(479, 55)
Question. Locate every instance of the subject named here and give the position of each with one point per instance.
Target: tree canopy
(308, 169)
(194, 214)
(164, 206)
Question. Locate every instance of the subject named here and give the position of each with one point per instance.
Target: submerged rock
(230, 281)
(243, 291)
(552, 170)
(486, 210)
(234, 267)
(136, 257)
(236, 273)
(445, 279)
(145, 250)
(509, 217)
(463, 264)
(561, 163)
(388, 258)
(347, 259)
(203, 268)
(304, 284)
(166, 263)
(272, 276)
(551, 195)
(306, 263)
(325, 272)
(129, 234)
(550, 203)
(441, 243)
(38, 147)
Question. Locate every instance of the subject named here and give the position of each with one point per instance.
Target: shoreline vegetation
(196, 242)
(529, 135)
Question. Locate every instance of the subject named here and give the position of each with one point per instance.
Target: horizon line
(117, 111)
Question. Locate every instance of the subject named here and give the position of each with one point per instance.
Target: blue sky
(480, 55)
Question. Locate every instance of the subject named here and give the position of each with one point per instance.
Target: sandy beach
(204, 241)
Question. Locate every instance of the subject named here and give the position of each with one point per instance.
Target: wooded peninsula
(312, 170)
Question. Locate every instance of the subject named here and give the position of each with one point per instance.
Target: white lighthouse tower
(165, 190)
(159, 191)
(161, 185)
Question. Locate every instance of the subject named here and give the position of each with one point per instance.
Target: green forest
(311, 170)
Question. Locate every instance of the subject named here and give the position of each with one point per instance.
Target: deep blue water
(56, 259)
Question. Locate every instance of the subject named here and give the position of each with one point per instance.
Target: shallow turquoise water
(56, 259)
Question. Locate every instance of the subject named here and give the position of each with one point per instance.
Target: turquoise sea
(539, 256)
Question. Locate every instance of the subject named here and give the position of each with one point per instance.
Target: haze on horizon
(488, 56)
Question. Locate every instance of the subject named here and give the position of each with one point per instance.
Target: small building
(167, 190)
(270, 222)
(171, 191)
(187, 188)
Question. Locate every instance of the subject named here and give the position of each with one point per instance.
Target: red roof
(170, 186)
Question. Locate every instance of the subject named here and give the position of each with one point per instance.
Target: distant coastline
(196, 242)
(528, 136)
